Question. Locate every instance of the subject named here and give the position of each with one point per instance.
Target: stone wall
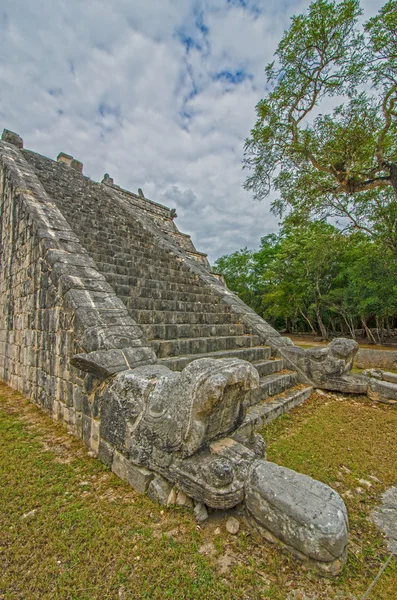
(55, 307)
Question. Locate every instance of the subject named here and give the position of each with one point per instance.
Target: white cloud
(160, 94)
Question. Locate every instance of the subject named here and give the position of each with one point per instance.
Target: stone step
(268, 367)
(265, 412)
(130, 247)
(132, 269)
(205, 345)
(137, 262)
(143, 317)
(257, 353)
(182, 283)
(122, 240)
(137, 269)
(158, 294)
(127, 248)
(186, 330)
(271, 385)
(156, 256)
(139, 303)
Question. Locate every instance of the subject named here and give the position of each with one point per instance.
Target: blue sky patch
(55, 92)
(234, 77)
(109, 110)
(189, 42)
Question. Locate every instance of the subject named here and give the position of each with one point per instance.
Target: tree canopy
(341, 162)
(315, 278)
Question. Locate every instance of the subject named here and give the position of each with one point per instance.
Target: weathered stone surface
(159, 490)
(105, 453)
(216, 476)
(101, 364)
(183, 499)
(12, 138)
(187, 410)
(368, 358)
(232, 525)
(349, 384)
(329, 368)
(120, 405)
(382, 391)
(304, 514)
(171, 497)
(200, 513)
(382, 375)
(385, 517)
(139, 478)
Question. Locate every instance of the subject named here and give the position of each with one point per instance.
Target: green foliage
(244, 271)
(342, 162)
(316, 278)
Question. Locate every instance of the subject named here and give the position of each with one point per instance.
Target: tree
(341, 163)
(244, 270)
(237, 268)
(303, 273)
(315, 278)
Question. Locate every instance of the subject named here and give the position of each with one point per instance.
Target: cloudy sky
(160, 94)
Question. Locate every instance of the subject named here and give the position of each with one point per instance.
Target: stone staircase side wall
(55, 305)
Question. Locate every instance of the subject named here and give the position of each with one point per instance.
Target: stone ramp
(179, 314)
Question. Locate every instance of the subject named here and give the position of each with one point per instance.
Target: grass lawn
(69, 529)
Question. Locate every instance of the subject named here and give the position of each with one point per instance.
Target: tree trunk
(368, 331)
(333, 326)
(324, 333)
(393, 177)
(308, 321)
(287, 328)
(350, 327)
(377, 328)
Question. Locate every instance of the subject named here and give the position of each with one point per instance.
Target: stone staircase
(178, 313)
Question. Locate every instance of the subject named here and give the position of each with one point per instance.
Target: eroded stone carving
(177, 428)
(329, 368)
(304, 514)
(382, 385)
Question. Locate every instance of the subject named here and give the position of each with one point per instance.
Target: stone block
(138, 477)
(105, 453)
(77, 398)
(307, 516)
(101, 364)
(382, 391)
(111, 337)
(95, 437)
(86, 430)
(159, 490)
(65, 414)
(64, 158)
(368, 358)
(12, 138)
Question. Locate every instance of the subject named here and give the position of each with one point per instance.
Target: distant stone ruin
(112, 322)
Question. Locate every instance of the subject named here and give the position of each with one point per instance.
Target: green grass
(69, 529)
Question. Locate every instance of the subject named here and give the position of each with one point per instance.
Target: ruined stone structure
(112, 321)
